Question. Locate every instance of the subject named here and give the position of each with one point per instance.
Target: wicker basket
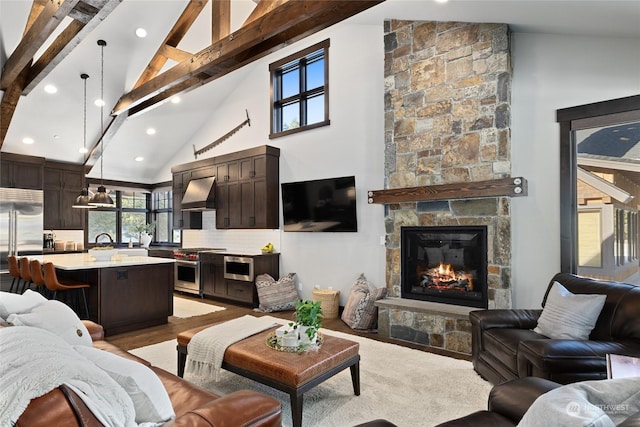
(329, 302)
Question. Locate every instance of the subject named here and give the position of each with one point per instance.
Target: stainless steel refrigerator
(21, 226)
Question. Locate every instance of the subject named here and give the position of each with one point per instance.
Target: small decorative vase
(145, 239)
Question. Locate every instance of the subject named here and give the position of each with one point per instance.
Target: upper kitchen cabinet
(62, 184)
(182, 175)
(18, 171)
(248, 188)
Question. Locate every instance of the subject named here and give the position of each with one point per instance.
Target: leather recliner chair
(505, 347)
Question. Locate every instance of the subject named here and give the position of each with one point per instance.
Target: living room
(552, 68)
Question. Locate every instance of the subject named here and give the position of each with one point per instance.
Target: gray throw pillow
(569, 316)
(276, 295)
(360, 311)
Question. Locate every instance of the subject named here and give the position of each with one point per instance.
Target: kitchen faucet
(104, 234)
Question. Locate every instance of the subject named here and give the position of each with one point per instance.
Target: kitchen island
(126, 293)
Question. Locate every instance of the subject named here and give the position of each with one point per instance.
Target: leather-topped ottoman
(293, 373)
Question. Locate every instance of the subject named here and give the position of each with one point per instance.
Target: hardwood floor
(157, 334)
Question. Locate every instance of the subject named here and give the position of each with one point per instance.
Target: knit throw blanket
(34, 361)
(206, 349)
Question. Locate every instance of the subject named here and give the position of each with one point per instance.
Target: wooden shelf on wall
(514, 187)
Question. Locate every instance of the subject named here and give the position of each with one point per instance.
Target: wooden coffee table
(292, 373)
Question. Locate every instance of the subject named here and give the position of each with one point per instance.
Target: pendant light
(82, 201)
(101, 198)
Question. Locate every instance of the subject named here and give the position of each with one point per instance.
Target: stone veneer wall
(447, 116)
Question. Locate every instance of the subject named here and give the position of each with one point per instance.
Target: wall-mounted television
(320, 205)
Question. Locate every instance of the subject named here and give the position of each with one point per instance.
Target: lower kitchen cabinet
(242, 291)
(212, 276)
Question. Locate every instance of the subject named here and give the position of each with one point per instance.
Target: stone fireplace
(446, 264)
(447, 117)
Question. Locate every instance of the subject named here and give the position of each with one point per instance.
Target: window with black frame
(122, 221)
(162, 213)
(300, 91)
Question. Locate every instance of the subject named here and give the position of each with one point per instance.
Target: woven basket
(329, 301)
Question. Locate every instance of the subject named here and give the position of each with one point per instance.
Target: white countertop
(85, 261)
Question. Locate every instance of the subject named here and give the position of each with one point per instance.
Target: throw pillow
(150, 398)
(360, 311)
(11, 303)
(58, 318)
(277, 295)
(569, 316)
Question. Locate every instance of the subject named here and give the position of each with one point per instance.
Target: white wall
(551, 72)
(352, 145)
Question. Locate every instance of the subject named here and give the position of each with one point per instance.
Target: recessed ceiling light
(99, 102)
(441, 1)
(83, 150)
(139, 159)
(50, 89)
(151, 131)
(175, 99)
(27, 140)
(141, 33)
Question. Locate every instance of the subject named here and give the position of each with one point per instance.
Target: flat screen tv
(320, 205)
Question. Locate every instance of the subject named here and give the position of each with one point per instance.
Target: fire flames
(446, 278)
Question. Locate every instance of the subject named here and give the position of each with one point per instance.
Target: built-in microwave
(238, 268)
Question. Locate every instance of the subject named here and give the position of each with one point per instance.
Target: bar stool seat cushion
(11, 303)
(57, 318)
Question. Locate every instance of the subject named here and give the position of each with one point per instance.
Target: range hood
(200, 195)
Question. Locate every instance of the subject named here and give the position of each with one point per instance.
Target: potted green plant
(145, 232)
(308, 320)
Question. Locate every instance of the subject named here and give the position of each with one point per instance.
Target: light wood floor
(157, 334)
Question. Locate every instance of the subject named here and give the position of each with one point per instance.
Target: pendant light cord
(102, 44)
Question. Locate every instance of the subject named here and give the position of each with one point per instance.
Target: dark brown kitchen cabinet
(187, 219)
(212, 276)
(251, 199)
(62, 184)
(18, 171)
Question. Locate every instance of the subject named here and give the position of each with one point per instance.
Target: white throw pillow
(11, 303)
(150, 399)
(58, 318)
(569, 316)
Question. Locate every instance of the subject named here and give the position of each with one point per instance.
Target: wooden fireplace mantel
(513, 186)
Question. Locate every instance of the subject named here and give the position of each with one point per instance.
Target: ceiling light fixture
(151, 131)
(82, 201)
(175, 99)
(50, 89)
(101, 198)
(27, 141)
(141, 33)
(139, 159)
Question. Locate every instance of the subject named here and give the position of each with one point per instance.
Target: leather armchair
(504, 346)
(509, 401)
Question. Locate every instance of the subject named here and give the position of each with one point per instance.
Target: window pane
(315, 74)
(291, 116)
(163, 227)
(101, 222)
(290, 83)
(130, 220)
(315, 109)
(134, 200)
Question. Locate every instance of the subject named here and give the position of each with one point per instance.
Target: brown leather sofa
(509, 401)
(193, 406)
(505, 347)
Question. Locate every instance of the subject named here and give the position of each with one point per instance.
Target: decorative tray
(272, 342)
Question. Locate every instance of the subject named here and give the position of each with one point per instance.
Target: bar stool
(25, 273)
(35, 267)
(14, 272)
(54, 285)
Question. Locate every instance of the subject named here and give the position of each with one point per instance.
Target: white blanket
(35, 361)
(603, 403)
(206, 349)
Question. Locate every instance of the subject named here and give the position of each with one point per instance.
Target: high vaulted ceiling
(55, 122)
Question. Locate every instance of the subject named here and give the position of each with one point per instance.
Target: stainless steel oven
(187, 276)
(238, 268)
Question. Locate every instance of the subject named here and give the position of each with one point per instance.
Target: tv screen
(320, 205)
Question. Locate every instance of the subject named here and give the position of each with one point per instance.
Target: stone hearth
(447, 117)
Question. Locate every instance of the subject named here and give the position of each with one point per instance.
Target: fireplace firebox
(445, 264)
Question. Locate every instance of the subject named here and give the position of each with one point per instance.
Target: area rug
(405, 386)
(183, 308)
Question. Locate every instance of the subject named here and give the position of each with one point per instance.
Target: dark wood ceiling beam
(294, 19)
(12, 94)
(262, 8)
(220, 19)
(175, 36)
(69, 39)
(174, 54)
(45, 24)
